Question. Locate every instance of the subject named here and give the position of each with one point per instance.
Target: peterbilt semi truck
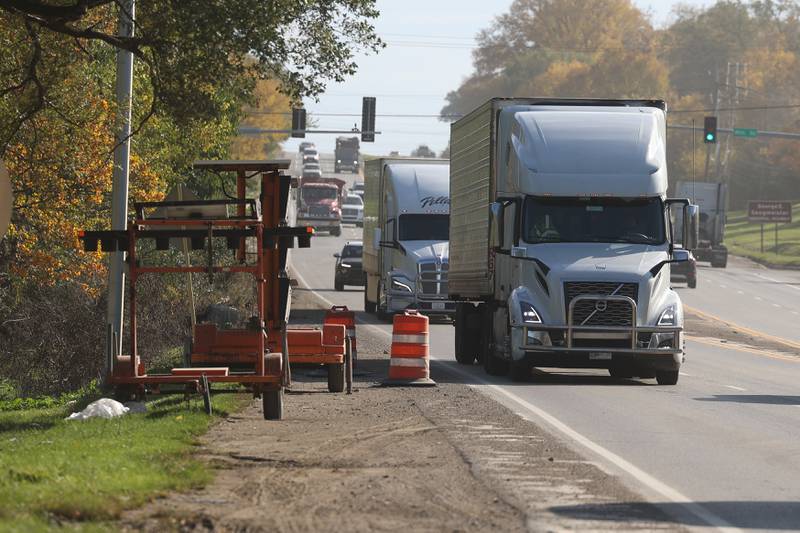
(406, 221)
(560, 238)
(319, 203)
(712, 199)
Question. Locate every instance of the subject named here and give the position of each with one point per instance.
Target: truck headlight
(398, 285)
(668, 316)
(345, 265)
(338, 160)
(529, 314)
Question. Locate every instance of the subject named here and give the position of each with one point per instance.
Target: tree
(191, 49)
(272, 110)
(423, 151)
(577, 48)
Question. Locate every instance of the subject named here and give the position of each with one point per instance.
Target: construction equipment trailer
(257, 355)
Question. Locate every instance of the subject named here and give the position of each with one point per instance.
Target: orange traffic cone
(410, 362)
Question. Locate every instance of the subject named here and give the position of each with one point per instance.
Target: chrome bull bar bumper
(667, 337)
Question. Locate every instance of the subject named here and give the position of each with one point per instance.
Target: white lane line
(776, 305)
(723, 286)
(734, 387)
(640, 475)
(739, 292)
(787, 283)
(652, 483)
(795, 313)
(758, 298)
(685, 374)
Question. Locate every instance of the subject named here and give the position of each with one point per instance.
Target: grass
(744, 239)
(80, 475)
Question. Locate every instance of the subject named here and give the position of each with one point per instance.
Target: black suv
(348, 266)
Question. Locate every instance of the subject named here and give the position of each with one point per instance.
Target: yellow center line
(754, 333)
(742, 348)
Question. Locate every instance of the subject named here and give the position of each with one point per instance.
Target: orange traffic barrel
(340, 314)
(410, 358)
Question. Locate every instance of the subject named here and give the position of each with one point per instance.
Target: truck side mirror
(496, 216)
(691, 226)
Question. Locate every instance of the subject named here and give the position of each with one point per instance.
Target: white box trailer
(560, 239)
(406, 230)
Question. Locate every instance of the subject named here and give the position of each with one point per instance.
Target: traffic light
(368, 119)
(710, 130)
(298, 122)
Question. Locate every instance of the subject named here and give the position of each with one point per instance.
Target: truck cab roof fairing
(433, 197)
(590, 150)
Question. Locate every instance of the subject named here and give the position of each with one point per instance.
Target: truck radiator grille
(316, 210)
(433, 279)
(616, 313)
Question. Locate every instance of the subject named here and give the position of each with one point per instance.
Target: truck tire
(338, 285)
(272, 404)
(692, 283)
(719, 262)
(369, 307)
(467, 337)
(493, 365)
(667, 377)
(336, 377)
(336, 231)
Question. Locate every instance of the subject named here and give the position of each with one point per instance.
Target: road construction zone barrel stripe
(410, 361)
(407, 338)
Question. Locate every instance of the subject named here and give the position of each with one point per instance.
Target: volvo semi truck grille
(607, 313)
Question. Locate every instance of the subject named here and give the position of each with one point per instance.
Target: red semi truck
(319, 203)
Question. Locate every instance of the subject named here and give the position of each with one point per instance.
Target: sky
(428, 54)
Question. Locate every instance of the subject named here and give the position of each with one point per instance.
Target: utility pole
(119, 187)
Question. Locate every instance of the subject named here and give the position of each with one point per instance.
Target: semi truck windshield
(635, 221)
(424, 228)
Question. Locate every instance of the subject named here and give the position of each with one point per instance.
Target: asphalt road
(748, 294)
(722, 448)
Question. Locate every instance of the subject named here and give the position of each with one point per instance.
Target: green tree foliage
(608, 48)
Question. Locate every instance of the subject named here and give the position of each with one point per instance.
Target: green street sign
(745, 132)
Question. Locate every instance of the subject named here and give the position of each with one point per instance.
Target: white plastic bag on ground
(102, 408)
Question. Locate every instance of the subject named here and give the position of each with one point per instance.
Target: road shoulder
(393, 458)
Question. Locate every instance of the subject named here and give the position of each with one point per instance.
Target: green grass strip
(744, 239)
(57, 474)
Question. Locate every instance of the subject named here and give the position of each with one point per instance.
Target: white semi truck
(561, 241)
(406, 230)
(712, 199)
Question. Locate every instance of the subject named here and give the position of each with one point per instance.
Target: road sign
(769, 211)
(745, 132)
(6, 200)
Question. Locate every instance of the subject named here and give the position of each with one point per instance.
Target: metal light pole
(119, 188)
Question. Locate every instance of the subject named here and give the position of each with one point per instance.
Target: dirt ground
(388, 459)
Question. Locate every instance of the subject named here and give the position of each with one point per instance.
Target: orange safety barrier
(340, 314)
(410, 358)
(317, 346)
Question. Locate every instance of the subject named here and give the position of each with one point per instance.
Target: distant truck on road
(712, 199)
(319, 204)
(406, 230)
(560, 242)
(346, 155)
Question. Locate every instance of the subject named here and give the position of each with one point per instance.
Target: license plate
(437, 306)
(601, 356)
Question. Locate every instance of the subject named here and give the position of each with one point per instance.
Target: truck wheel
(338, 285)
(336, 231)
(369, 307)
(667, 377)
(493, 365)
(692, 283)
(719, 262)
(336, 377)
(466, 339)
(272, 404)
